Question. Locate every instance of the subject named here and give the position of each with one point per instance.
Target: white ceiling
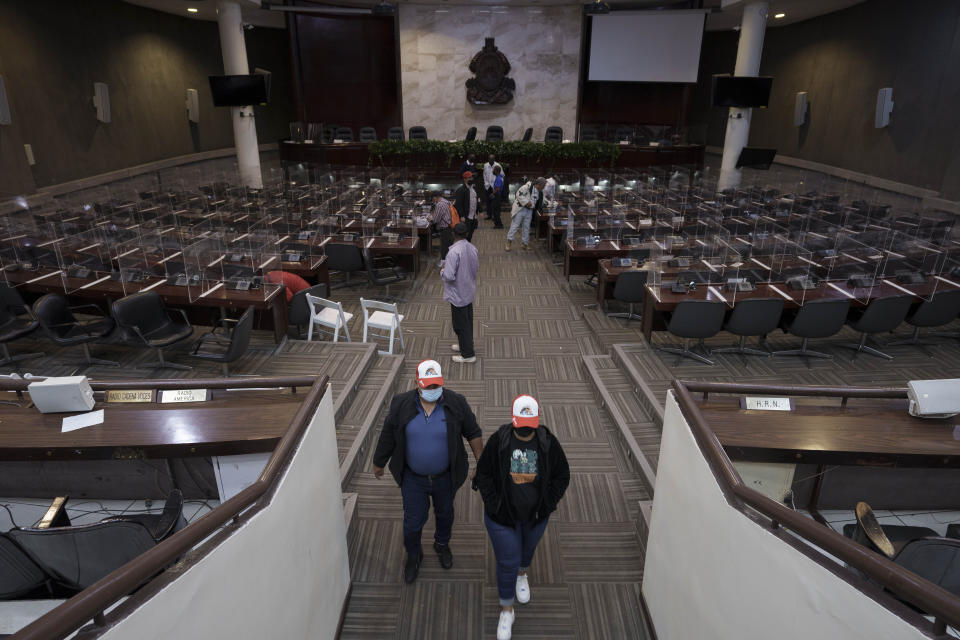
(727, 18)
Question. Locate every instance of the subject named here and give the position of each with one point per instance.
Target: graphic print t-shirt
(524, 479)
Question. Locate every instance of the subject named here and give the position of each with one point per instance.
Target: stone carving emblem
(490, 84)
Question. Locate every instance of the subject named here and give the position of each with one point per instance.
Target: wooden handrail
(905, 584)
(21, 384)
(92, 601)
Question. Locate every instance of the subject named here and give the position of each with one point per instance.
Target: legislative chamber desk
(581, 260)
(405, 250)
(235, 420)
(48, 280)
(660, 299)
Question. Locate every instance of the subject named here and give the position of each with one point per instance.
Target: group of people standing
(521, 474)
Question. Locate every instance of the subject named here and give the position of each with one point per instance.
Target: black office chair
(239, 341)
(144, 321)
(344, 133)
(13, 325)
(471, 134)
(382, 272)
(329, 133)
(588, 134)
(369, 134)
(19, 575)
(624, 134)
(418, 133)
(77, 556)
(631, 287)
(695, 319)
(346, 258)
(57, 321)
(395, 134)
(940, 309)
(880, 316)
(553, 134)
(815, 319)
(160, 525)
(298, 311)
(494, 133)
(753, 317)
(527, 135)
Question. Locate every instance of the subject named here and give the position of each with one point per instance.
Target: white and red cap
(526, 412)
(428, 373)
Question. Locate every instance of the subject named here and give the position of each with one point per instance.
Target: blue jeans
(521, 218)
(514, 549)
(416, 492)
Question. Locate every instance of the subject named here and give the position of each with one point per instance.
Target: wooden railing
(923, 594)
(95, 599)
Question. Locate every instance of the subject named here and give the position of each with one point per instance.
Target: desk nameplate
(129, 395)
(184, 395)
(755, 403)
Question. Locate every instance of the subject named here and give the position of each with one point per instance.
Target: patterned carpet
(586, 574)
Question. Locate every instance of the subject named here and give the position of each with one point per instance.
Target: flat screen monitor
(756, 158)
(741, 91)
(239, 91)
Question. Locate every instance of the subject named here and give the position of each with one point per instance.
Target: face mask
(524, 432)
(431, 395)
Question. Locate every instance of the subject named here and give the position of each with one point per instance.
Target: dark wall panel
(841, 59)
(55, 50)
(348, 71)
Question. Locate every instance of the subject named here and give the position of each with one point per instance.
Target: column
(234, 51)
(748, 64)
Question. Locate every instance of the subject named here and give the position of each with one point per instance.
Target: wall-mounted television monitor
(240, 91)
(741, 91)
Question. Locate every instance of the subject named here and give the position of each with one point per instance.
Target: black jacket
(462, 199)
(493, 474)
(392, 445)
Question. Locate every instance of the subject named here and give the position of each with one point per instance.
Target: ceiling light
(192, 10)
(780, 15)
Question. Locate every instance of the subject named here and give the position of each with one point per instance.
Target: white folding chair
(327, 313)
(384, 317)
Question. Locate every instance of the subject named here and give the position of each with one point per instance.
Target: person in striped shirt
(441, 222)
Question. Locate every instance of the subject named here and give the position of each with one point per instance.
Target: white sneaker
(505, 628)
(462, 359)
(455, 348)
(523, 590)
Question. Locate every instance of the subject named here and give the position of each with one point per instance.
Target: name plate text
(129, 395)
(184, 395)
(766, 404)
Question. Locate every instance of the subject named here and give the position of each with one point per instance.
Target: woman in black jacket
(522, 475)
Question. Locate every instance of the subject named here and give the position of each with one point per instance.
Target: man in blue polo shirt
(421, 439)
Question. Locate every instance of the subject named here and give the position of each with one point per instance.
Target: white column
(234, 51)
(748, 64)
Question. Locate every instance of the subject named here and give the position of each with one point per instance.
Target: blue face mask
(431, 395)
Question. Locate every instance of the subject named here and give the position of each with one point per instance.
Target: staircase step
(632, 422)
(373, 394)
(624, 355)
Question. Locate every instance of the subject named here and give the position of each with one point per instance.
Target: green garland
(540, 152)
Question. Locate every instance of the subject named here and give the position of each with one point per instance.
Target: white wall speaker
(884, 107)
(800, 109)
(101, 100)
(4, 105)
(193, 105)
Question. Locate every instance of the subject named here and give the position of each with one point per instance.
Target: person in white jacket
(522, 211)
(488, 180)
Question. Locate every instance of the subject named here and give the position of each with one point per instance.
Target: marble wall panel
(437, 43)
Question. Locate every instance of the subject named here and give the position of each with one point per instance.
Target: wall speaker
(884, 107)
(800, 109)
(4, 105)
(193, 105)
(101, 100)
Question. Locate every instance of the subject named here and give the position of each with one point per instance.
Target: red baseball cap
(467, 174)
(526, 412)
(428, 373)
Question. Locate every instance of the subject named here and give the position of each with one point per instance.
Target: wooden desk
(232, 422)
(407, 250)
(582, 261)
(109, 290)
(819, 431)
